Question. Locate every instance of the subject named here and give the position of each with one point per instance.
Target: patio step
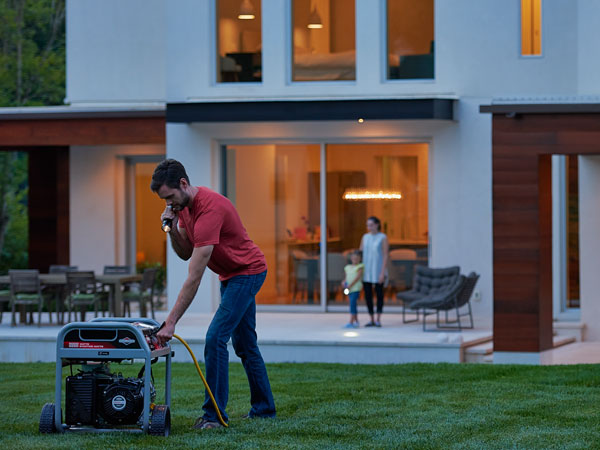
(481, 353)
(559, 341)
(484, 353)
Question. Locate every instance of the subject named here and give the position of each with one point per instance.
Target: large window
(277, 191)
(410, 39)
(531, 27)
(239, 52)
(324, 42)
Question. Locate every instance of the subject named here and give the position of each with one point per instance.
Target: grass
(347, 406)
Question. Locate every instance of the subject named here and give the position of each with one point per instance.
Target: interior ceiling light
(246, 10)
(371, 194)
(314, 20)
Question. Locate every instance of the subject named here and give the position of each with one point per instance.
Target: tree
(32, 52)
(13, 211)
(32, 73)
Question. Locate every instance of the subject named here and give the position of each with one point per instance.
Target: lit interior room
(324, 40)
(276, 189)
(240, 41)
(410, 37)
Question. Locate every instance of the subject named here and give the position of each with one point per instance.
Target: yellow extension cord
(210, 394)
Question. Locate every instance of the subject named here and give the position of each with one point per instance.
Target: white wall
(460, 180)
(589, 245)
(115, 51)
(460, 199)
(97, 203)
(477, 53)
(149, 50)
(588, 47)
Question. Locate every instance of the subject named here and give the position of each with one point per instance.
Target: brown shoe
(203, 424)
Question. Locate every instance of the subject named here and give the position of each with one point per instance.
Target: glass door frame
(130, 216)
(221, 183)
(560, 254)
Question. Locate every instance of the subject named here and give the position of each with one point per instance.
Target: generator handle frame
(116, 354)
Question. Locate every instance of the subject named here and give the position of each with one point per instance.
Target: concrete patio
(311, 337)
(284, 337)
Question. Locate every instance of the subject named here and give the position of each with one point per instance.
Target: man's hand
(381, 278)
(165, 334)
(168, 213)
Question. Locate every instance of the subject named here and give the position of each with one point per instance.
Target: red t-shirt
(211, 219)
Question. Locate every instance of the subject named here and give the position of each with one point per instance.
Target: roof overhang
(81, 112)
(543, 105)
(308, 110)
(69, 125)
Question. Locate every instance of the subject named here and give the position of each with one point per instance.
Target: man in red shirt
(207, 231)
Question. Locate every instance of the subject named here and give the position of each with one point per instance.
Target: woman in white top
(375, 248)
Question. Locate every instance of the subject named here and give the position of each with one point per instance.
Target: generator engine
(97, 397)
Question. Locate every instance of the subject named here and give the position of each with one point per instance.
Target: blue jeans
(353, 296)
(236, 318)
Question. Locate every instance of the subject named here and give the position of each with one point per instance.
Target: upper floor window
(410, 39)
(239, 51)
(323, 40)
(531, 27)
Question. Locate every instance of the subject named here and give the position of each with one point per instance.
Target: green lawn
(348, 406)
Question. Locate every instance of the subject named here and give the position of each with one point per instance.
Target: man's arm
(198, 262)
(180, 243)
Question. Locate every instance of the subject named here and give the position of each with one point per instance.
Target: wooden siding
(522, 218)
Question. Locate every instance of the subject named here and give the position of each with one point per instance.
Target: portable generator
(97, 399)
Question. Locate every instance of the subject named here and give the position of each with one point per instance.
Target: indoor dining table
(114, 281)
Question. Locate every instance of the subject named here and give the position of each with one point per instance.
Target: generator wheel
(47, 424)
(160, 421)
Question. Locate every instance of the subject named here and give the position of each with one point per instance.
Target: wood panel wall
(108, 131)
(48, 207)
(522, 219)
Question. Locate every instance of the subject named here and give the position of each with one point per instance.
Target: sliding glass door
(280, 191)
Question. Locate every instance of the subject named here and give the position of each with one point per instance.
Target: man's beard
(185, 200)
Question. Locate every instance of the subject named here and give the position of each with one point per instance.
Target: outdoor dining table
(114, 281)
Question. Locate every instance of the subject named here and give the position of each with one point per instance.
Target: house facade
(312, 115)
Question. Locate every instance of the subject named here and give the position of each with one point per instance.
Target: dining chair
(25, 289)
(4, 299)
(145, 292)
(59, 290)
(300, 273)
(82, 292)
(106, 291)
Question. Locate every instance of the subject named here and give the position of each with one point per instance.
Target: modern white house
(294, 108)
